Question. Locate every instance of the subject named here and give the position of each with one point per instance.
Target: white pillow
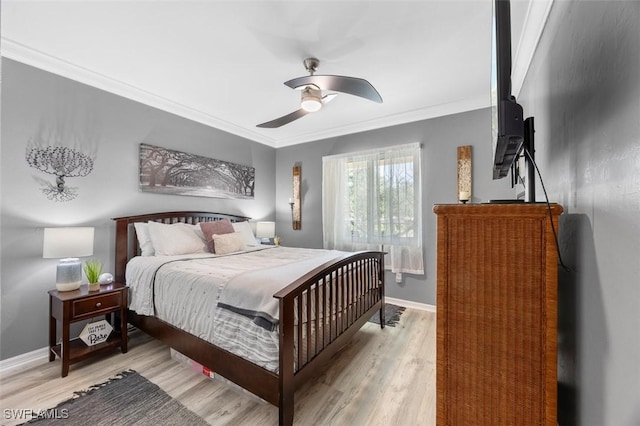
(228, 243)
(144, 239)
(174, 239)
(199, 233)
(244, 229)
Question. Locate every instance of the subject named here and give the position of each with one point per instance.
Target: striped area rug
(391, 315)
(126, 399)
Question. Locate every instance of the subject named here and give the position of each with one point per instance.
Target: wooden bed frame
(356, 279)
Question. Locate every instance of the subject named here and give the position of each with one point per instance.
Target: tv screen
(507, 121)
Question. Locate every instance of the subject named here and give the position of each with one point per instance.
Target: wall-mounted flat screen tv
(507, 121)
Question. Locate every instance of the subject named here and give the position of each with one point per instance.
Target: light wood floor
(383, 377)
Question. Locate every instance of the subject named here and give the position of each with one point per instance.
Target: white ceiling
(223, 63)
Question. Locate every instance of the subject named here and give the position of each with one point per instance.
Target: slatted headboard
(127, 244)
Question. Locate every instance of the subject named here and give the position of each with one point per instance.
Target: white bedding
(187, 293)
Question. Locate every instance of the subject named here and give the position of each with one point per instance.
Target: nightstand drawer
(94, 305)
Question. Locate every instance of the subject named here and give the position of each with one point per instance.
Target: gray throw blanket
(251, 293)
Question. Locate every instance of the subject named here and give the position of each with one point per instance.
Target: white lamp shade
(62, 243)
(266, 229)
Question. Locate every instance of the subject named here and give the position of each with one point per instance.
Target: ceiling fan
(311, 88)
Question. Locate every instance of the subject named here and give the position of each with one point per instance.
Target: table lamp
(265, 231)
(68, 244)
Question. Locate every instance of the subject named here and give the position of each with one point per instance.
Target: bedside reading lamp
(265, 231)
(68, 244)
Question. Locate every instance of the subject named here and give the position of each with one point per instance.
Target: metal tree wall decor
(62, 162)
(168, 171)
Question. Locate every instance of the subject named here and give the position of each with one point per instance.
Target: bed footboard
(319, 313)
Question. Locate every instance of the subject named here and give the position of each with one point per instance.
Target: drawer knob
(98, 304)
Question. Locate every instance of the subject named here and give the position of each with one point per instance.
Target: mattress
(186, 291)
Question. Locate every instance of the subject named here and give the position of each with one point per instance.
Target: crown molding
(532, 29)
(433, 111)
(29, 56)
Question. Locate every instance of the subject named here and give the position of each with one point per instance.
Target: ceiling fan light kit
(312, 87)
(311, 99)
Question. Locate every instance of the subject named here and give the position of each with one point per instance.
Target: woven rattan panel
(496, 315)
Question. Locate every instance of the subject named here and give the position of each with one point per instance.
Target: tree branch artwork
(62, 162)
(169, 171)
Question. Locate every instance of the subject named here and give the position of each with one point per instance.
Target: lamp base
(68, 286)
(69, 274)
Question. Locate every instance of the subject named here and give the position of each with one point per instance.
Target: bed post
(286, 385)
(381, 275)
(122, 242)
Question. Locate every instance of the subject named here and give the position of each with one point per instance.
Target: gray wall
(584, 90)
(112, 127)
(439, 138)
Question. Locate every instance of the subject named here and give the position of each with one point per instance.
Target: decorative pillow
(174, 239)
(244, 228)
(219, 227)
(228, 243)
(144, 239)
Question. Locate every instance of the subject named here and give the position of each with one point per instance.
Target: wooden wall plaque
(464, 173)
(296, 208)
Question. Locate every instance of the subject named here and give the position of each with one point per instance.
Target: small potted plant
(93, 269)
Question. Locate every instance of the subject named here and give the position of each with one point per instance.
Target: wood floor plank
(382, 377)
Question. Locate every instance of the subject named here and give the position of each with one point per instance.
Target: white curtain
(372, 201)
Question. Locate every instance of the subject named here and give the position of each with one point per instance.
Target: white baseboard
(410, 304)
(24, 360)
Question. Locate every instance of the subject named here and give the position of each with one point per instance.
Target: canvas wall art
(167, 171)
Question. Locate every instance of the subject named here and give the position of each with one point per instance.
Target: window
(372, 201)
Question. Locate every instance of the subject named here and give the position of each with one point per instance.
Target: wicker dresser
(497, 314)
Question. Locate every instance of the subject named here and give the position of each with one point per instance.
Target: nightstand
(77, 305)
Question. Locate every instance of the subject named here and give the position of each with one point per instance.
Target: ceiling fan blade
(285, 119)
(329, 97)
(339, 83)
